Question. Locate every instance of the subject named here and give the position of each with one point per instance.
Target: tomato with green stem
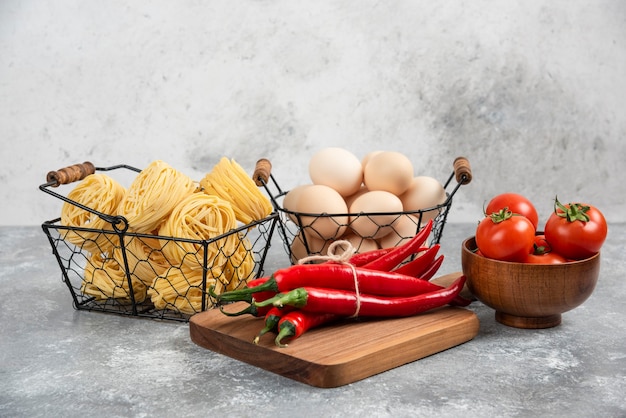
(516, 203)
(505, 236)
(541, 245)
(576, 230)
(542, 252)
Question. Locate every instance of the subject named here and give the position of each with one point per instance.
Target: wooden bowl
(528, 295)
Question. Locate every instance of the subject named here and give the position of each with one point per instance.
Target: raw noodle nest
(229, 181)
(102, 194)
(105, 278)
(153, 194)
(181, 288)
(199, 217)
(144, 257)
(203, 227)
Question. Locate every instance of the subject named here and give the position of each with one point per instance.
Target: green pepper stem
(250, 309)
(270, 323)
(287, 330)
(296, 297)
(212, 292)
(264, 331)
(269, 301)
(246, 294)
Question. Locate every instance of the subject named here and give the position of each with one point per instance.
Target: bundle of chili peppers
(381, 283)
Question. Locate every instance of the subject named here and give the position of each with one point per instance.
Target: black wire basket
(298, 232)
(132, 276)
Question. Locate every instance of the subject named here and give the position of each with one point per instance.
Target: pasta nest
(105, 278)
(182, 289)
(201, 228)
(102, 194)
(179, 289)
(153, 194)
(229, 181)
(144, 257)
(197, 218)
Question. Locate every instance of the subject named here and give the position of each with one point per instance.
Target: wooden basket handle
(462, 170)
(70, 174)
(262, 172)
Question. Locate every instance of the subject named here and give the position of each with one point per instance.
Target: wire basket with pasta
(157, 247)
(309, 234)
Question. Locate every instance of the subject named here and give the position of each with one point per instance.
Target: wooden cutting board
(340, 353)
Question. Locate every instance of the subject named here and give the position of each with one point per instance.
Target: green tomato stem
(572, 212)
(501, 216)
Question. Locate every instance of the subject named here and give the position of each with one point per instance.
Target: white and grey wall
(533, 93)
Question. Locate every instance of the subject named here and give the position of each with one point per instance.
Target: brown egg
(375, 226)
(299, 248)
(359, 243)
(389, 171)
(424, 192)
(291, 198)
(368, 156)
(350, 199)
(336, 168)
(403, 231)
(321, 201)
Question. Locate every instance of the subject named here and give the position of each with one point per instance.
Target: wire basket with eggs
(376, 202)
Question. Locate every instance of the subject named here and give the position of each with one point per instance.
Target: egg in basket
(377, 202)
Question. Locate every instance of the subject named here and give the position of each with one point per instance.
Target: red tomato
(542, 252)
(546, 258)
(516, 203)
(541, 245)
(505, 236)
(576, 230)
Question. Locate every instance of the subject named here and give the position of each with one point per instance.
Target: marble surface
(531, 92)
(55, 361)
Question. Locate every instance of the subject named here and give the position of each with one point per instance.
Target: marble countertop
(56, 361)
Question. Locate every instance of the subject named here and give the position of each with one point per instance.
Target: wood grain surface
(339, 353)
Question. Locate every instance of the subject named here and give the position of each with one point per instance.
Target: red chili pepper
(420, 264)
(346, 303)
(297, 322)
(252, 309)
(402, 252)
(250, 285)
(272, 318)
(361, 259)
(260, 295)
(257, 281)
(336, 276)
(429, 273)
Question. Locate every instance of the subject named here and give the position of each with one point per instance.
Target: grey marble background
(532, 92)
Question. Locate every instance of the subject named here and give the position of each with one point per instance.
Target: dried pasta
(100, 193)
(144, 257)
(239, 267)
(180, 289)
(153, 194)
(105, 278)
(199, 217)
(229, 181)
(198, 222)
(178, 235)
